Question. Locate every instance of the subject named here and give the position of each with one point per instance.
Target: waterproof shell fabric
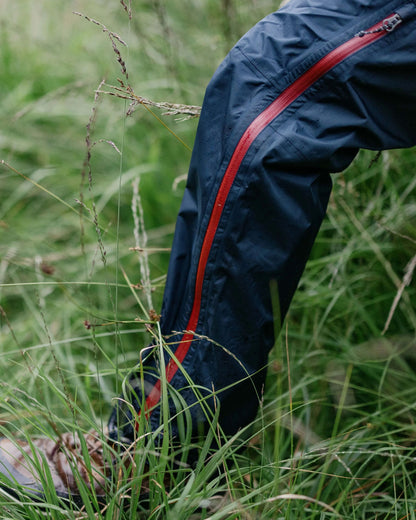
(293, 101)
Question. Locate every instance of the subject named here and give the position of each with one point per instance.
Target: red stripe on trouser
(286, 98)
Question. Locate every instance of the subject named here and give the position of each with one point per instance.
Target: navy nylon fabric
(279, 196)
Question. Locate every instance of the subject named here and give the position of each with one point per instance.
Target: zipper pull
(388, 25)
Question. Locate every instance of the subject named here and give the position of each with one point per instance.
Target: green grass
(335, 434)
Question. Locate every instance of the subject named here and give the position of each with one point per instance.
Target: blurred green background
(68, 145)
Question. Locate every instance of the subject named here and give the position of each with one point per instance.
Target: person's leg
(292, 102)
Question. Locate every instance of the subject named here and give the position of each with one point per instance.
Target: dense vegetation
(82, 183)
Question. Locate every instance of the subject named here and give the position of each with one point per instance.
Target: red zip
(286, 98)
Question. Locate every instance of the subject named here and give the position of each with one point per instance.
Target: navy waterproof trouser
(294, 101)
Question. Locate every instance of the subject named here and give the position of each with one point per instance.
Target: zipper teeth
(286, 98)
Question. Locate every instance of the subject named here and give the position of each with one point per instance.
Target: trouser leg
(292, 102)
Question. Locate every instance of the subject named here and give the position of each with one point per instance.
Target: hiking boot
(27, 467)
